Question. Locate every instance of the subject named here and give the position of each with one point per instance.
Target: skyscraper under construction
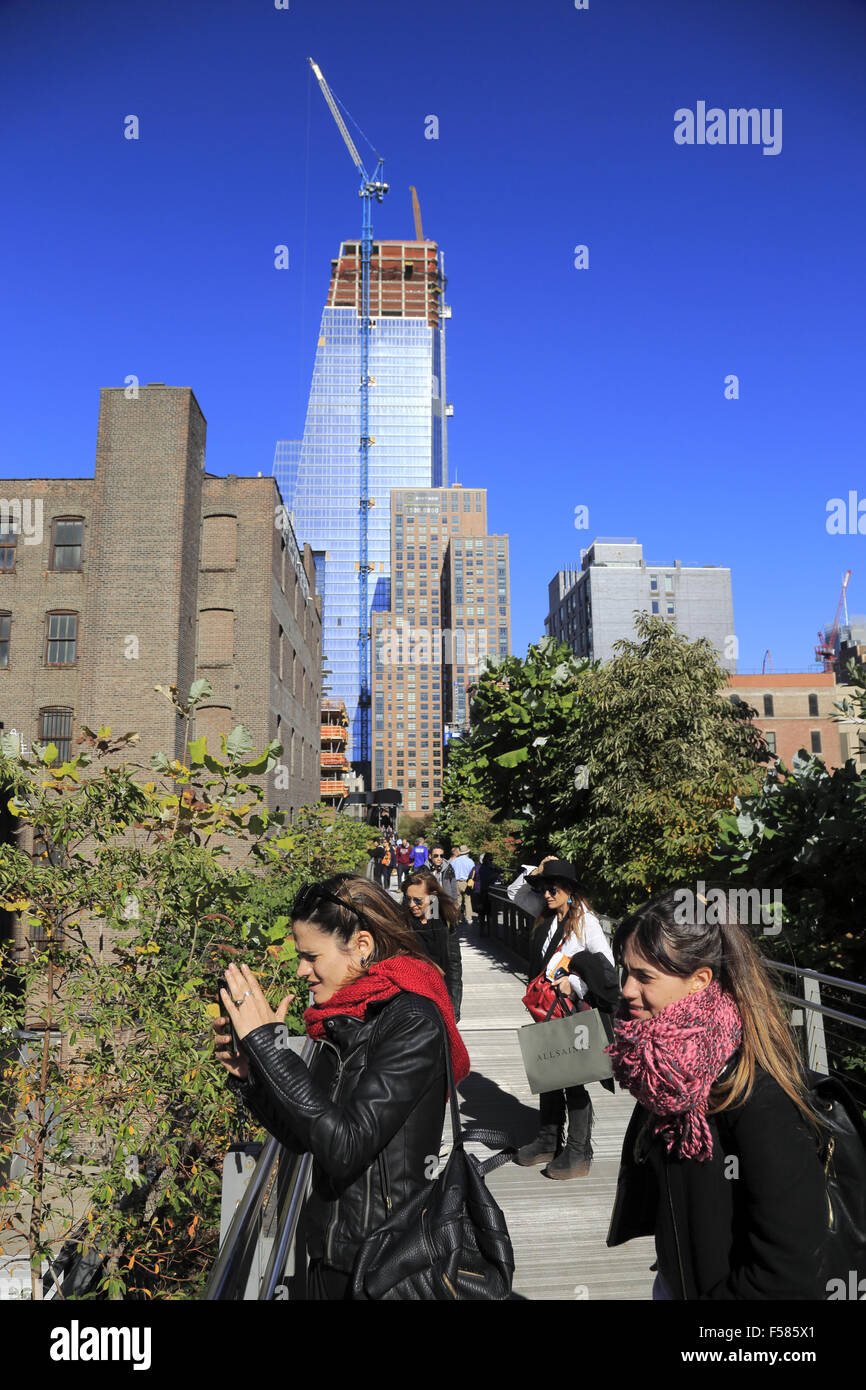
(319, 475)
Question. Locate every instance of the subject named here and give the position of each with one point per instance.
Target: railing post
(816, 1047)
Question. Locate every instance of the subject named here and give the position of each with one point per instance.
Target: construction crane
(826, 649)
(767, 659)
(416, 213)
(370, 188)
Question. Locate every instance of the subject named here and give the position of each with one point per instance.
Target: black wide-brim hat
(555, 869)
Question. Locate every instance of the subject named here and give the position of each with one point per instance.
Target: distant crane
(370, 188)
(826, 649)
(416, 213)
(767, 659)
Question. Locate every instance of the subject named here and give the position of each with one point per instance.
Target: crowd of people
(697, 1036)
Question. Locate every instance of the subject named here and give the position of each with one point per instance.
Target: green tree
(665, 752)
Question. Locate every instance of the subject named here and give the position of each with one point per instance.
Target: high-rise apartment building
(319, 475)
(593, 607)
(450, 610)
(154, 571)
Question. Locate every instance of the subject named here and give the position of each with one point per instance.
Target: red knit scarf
(383, 980)
(670, 1061)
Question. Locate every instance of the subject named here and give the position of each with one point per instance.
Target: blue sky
(603, 387)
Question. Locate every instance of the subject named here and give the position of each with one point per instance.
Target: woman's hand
(234, 1063)
(564, 987)
(246, 1005)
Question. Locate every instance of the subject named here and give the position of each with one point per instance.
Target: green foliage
(665, 752)
(621, 767)
(512, 754)
(133, 903)
(803, 831)
(470, 824)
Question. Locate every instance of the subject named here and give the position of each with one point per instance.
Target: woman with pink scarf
(720, 1160)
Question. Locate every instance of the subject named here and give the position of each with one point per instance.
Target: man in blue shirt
(464, 866)
(419, 854)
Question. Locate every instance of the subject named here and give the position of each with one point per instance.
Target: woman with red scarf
(720, 1161)
(381, 1004)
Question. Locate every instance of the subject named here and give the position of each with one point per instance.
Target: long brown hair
(448, 908)
(676, 941)
(367, 905)
(573, 921)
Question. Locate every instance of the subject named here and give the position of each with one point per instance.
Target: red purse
(544, 1001)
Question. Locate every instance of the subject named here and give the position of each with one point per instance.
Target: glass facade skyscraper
(319, 476)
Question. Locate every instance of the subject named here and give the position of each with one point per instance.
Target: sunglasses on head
(305, 901)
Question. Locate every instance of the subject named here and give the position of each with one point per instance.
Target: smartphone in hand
(220, 983)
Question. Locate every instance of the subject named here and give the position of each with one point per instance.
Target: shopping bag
(565, 1052)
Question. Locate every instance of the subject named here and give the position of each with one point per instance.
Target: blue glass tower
(319, 476)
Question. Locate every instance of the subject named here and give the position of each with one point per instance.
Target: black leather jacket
(442, 944)
(388, 1099)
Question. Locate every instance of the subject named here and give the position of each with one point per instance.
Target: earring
(570, 901)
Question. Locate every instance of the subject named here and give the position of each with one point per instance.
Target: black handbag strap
(492, 1138)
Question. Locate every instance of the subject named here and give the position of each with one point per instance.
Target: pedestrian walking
(464, 866)
(480, 882)
(567, 936)
(379, 1002)
(720, 1159)
(405, 862)
(433, 913)
(443, 872)
(420, 854)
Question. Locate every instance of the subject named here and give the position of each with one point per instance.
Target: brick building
(155, 572)
(794, 711)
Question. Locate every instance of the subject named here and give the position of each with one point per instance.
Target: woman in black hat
(567, 930)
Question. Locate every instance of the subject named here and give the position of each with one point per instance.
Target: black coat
(442, 944)
(388, 1097)
(754, 1229)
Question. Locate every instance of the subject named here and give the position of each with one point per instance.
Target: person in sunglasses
(568, 944)
(382, 1005)
(432, 914)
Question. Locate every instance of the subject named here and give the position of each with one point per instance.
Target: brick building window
(61, 639)
(816, 741)
(813, 706)
(768, 706)
(219, 543)
(210, 722)
(67, 543)
(5, 630)
(8, 547)
(771, 740)
(216, 637)
(55, 726)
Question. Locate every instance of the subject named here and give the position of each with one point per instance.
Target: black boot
(575, 1160)
(550, 1134)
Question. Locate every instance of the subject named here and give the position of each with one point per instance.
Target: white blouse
(594, 939)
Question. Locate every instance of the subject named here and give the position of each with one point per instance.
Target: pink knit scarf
(670, 1061)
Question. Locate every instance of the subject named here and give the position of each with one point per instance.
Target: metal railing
(263, 1201)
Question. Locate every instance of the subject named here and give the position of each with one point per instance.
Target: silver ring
(237, 1002)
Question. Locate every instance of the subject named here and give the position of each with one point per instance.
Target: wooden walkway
(558, 1228)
